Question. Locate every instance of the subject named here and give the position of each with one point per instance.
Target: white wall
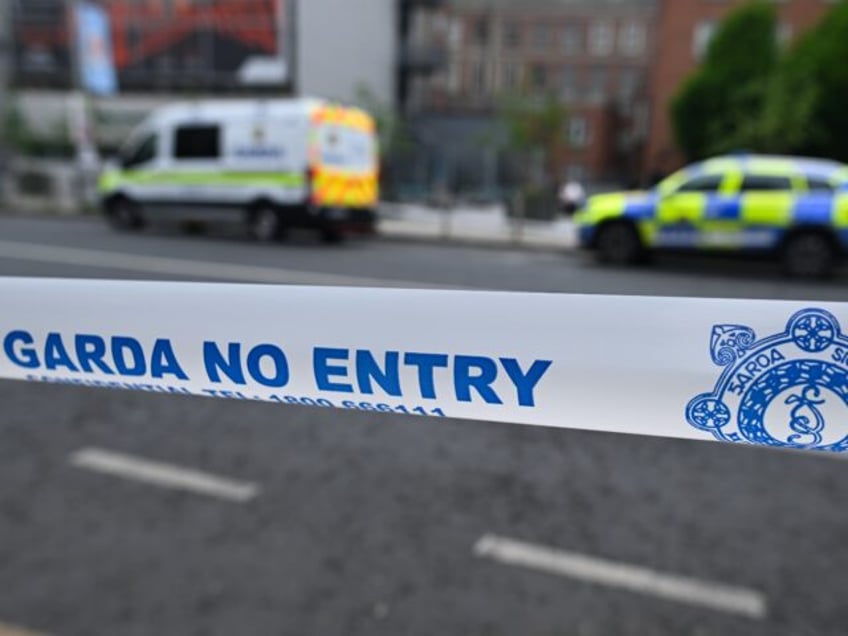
(344, 43)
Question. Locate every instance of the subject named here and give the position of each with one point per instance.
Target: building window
(569, 83)
(512, 36)
(578, 132)
(538, 78)
(478, 77)
(543, 37)
(598, 83)
(572, 42)
(480, 32)
(511, 77)
(704, 32)
(455, 34)
(133, 36)
(641, 119)
(632, 39)
(601, 38)
(454, 76)
(628, 83)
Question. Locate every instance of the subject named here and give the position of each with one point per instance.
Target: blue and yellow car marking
(727, 218)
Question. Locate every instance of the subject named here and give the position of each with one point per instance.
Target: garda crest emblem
(788, 390)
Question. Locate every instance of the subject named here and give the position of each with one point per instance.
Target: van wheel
(265, 224)
(123, 214)
(332, 237)
(809, 255)
(619, 244)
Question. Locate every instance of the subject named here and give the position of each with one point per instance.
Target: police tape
(760, 372)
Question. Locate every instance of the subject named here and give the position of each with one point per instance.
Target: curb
(477, 242)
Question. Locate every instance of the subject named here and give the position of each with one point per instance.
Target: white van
(271, 164)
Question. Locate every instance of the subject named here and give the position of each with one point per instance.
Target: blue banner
(94, 50)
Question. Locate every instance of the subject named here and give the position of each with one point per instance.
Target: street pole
(5, 49)
(288, 40)
(519, 203)
(79, 113)
(6, 13)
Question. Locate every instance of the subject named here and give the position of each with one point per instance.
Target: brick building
(593, 54)
(684, 29)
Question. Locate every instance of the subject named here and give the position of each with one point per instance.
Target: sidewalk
(485, 225)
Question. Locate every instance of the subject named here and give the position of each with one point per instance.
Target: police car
(792, 207)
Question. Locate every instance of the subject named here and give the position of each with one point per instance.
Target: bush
(718, 108)
(811, 93)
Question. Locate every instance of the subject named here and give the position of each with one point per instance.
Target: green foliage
(747, 96)
(718, 108)
(392, 133)
(811, 94)
(745, 44)
(20, 138)
(692, 112)
(534, 125)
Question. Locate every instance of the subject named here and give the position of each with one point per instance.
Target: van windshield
(138, 150)
(347, 149)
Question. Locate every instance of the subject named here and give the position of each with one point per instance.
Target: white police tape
(761, 372)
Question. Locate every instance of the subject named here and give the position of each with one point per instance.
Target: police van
(792, 207)
(271, 164)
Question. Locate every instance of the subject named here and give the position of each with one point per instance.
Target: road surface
(133, 514)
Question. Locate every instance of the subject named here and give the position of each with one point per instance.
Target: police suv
(271, 164)
(795, 208)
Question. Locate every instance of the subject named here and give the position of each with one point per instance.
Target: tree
(391, 130)
(718, 108)
(19, 137)
(807, 109)
(534, 125)
(393, 137)
(533, 131)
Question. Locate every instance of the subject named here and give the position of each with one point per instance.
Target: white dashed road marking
(716, 596)
(13, 630)
(163, 475)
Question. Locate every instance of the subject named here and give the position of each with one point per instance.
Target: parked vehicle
(794, 208)
(272, 164)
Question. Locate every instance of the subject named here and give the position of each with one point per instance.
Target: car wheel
(809, 255)
(123, 214)
(619, 244)
(265, 224)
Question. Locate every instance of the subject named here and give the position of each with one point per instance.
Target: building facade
(344, 48)
(684, 30)
(593, 55)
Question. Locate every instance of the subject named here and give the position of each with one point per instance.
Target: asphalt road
(351, 523)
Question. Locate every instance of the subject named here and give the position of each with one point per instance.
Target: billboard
(161, 45)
